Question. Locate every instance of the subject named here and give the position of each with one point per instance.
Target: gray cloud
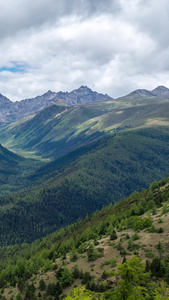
(16, 15)
(111, 46)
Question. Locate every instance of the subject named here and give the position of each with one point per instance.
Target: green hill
(120, 250)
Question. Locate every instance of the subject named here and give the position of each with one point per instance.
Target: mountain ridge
(12, 111)
(160, 91)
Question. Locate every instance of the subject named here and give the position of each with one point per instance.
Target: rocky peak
(83, 87)
(161, 91)
(49, 93)
(85, 95)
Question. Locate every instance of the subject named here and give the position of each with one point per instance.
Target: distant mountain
(12, 111)
(82, 95)
(160, 91)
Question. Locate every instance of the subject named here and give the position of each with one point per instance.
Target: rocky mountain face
(12, 111)
(6, 107)
(82, 95)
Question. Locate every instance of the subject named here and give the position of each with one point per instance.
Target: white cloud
(110, 46)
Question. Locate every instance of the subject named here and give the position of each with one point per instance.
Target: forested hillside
(78, 184)
(118, 253)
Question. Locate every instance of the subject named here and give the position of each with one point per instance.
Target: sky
(112, 46)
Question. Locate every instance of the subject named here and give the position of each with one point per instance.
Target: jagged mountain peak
(48, 95)
(82, 95)
(83, 87)
(49, 92)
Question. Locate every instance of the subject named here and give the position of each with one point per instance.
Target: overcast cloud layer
(112, 46)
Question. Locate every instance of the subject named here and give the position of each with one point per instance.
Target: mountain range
(12, 111)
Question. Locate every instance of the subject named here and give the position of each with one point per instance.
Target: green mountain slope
(118, 250)
(58, 130)
(13, 171)
(113, 168)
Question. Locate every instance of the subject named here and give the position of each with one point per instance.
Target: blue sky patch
(15, 67)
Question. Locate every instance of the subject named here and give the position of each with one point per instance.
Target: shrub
(152, 229)
(138, 225)
(113, 235)
(160, 230)
(42, 285)
(94, 253)
(135, 237)
(147, 222)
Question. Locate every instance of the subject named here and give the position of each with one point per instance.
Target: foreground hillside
(120, 252)
(86, 180)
